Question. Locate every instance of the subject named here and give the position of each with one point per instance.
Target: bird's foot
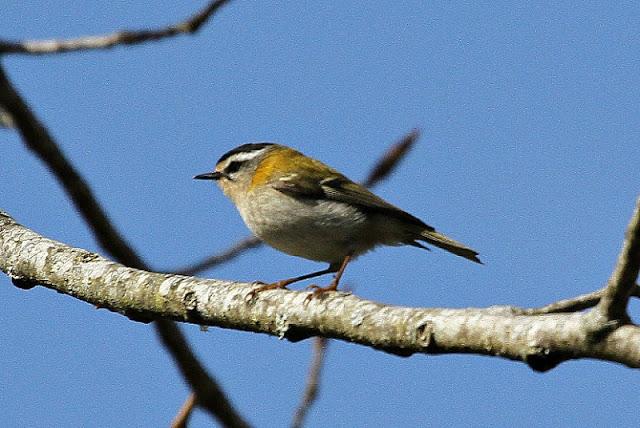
(318, 291)
(278, 285)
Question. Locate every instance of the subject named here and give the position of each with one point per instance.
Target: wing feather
(337, 187)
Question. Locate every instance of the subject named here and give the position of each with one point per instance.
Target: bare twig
(182, 418)
(231, 253)
(37, 138)
(391, 159)
(574, 304)
(613, 305)
(313, 382)
(41, 47)
(208, 394)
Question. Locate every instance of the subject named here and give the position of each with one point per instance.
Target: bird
(302, 207)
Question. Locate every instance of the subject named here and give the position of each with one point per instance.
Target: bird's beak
(215, 175)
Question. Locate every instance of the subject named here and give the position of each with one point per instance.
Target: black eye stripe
(233, 167)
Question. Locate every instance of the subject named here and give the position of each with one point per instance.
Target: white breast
(319, 230)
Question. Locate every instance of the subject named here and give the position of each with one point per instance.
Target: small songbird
(304, 208)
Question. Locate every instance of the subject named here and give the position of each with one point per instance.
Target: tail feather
(446, 243)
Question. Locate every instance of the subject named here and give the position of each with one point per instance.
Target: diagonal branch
(182, 418)
(38, 139)
(541, 341)
(229, 254)
(209, 395)
(574, 304)
(313, 382)
(391, 158)
(613, 305)
(120, 38)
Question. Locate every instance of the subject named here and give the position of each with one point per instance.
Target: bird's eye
(232, 167)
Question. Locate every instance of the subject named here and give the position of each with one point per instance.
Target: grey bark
(542, 341)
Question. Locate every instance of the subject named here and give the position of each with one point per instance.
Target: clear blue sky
(529, 154)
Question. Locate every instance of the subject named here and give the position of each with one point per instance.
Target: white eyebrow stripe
(245, 156)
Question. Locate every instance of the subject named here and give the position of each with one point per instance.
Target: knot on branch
(191, 312)
(23, 283)
(424, 335)
(542, 359)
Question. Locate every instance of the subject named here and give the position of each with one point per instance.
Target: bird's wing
(337, 187)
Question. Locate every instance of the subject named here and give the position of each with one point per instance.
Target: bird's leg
(285, 282)
(334, 283)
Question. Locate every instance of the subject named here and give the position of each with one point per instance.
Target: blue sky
(529, 154)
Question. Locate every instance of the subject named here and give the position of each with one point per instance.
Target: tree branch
(620, 287)
(391, 158)
(120, 38)
(313, 382)
(182, 418)
(208, 394)
(230, 253)
(37, 138)
(542, 341)
(574, 304)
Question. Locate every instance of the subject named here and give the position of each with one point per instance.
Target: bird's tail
(446, 243)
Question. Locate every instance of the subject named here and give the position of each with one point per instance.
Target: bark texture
(542, 341)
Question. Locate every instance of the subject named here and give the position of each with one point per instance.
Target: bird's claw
(263, 286)
(318, 291)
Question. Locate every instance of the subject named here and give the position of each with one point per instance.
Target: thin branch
(313, 382)
(391, 159)
(182, 418)
(37, 138)
(208, 394)
(574, 304)
(120, 38)
(230, 253)
(613, 305)
(541, 341)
